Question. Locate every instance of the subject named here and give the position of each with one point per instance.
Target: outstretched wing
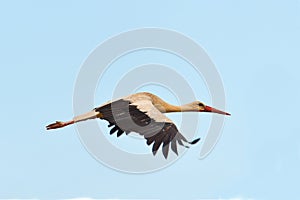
(143, 117)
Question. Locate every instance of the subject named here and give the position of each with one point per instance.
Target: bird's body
(143, 113)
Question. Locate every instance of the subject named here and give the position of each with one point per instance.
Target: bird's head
(201, 107)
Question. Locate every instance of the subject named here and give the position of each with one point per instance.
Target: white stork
(143, 113)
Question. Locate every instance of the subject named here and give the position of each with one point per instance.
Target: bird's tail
(89, 115)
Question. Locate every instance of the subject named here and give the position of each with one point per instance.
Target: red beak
(214, 110)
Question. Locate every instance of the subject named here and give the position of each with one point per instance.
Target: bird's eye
(201, 104)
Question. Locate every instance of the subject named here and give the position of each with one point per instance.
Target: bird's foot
(55, 125)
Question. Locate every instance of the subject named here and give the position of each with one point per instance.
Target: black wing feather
(174, 146)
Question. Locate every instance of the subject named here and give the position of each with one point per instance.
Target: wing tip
(195, 141)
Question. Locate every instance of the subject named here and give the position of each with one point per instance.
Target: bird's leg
(89, 115)
(59, 124)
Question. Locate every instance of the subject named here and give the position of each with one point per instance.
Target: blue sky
(255, 46)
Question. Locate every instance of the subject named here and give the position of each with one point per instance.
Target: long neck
(165, 107)
(183, 108)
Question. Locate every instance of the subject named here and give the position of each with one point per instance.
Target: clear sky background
(254, 44)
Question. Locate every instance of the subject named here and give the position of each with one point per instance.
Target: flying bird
(143, 113)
